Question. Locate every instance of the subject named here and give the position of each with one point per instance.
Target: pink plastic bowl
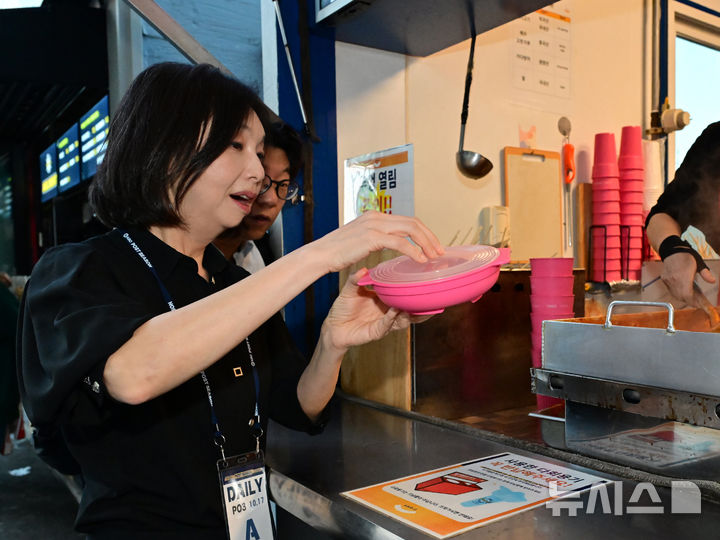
(552, 286)
(433, 296)
(551, 266)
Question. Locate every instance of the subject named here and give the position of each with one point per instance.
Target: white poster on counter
(382, 181)
(452, 500)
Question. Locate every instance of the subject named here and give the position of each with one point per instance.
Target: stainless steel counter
(363, 445)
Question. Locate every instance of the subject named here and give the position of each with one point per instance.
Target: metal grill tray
(665, 349)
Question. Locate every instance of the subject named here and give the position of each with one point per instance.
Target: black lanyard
(218, 438)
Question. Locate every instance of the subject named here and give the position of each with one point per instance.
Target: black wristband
(674, 244)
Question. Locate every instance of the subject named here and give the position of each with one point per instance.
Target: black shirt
(692, 197)
(149, 469)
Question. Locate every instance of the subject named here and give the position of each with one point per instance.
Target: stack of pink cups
(605, 233)
(551, 297)
(631, 164)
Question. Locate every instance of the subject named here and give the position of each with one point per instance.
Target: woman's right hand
(374, 231)
(678, 274)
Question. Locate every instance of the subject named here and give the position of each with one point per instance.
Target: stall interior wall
(387, 99)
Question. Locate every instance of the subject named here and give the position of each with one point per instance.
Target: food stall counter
(365, 444)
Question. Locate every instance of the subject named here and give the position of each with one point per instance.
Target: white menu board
(541, 52)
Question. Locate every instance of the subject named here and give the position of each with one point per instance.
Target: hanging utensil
(568, 170)
(471, 164)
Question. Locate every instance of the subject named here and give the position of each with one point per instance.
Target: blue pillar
(325, 193)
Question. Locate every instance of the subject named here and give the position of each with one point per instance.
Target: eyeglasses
(285, 189)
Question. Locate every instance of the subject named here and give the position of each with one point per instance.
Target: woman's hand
(678, 274)
(358, 316)
(374, 231)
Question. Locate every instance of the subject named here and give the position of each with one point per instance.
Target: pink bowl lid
(455, 261)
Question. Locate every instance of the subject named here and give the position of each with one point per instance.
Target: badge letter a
(251, 532)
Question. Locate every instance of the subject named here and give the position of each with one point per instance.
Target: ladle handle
(466, 98)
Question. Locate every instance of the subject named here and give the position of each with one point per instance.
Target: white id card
(245, 497)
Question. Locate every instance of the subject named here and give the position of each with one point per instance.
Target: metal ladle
(471, 164)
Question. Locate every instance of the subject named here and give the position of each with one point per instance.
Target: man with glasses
(247, 244)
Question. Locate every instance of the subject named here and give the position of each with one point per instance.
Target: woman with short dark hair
(158, 361)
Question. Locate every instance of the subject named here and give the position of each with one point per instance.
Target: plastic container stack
(551, 297)
(605, 232)
(631, 165)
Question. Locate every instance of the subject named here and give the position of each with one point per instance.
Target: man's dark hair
(283, 136)
(172, 123)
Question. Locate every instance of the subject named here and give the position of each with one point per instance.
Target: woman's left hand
(358, 316)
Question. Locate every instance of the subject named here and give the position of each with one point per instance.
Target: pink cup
(631, 174)
(631, 197)
(537, 318)
(606, 183)
(632, 219)
(603, 207)
(631, 151)
(610, 253)
(609, 276)
(536, 340)
(554, 286)
(609, 218)
(605, 156)
(601, 230)
(634, 275)
(599, 241)
(610, 264)
(627, 208)
(635, 264)
(605, 195)
(536, 358)
(551, 266)
(631, 185)
(636, 243)
(548, 303)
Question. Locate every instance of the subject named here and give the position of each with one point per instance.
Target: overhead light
(15, 4)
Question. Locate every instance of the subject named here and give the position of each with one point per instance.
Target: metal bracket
(696, 409)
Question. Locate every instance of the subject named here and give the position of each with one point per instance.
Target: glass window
(697, 78)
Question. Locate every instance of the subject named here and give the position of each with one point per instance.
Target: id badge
(245, 497)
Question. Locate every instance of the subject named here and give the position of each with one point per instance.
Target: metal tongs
(708, 308)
